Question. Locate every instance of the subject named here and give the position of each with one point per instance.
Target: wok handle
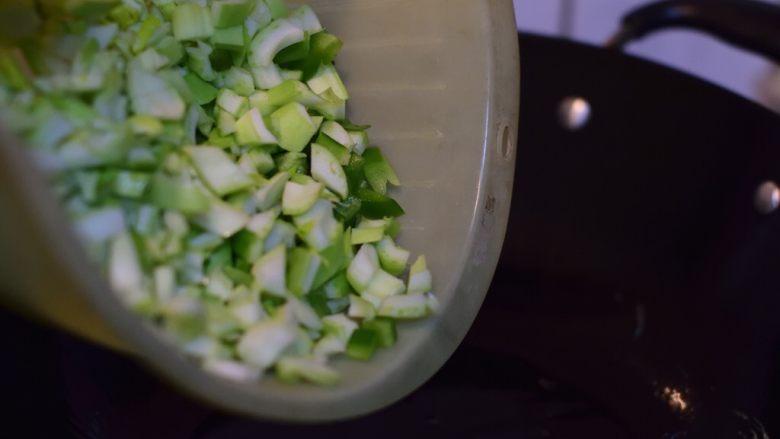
(749, 24)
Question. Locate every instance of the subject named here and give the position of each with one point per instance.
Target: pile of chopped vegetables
(203, 152)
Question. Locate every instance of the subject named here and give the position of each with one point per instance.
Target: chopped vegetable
(203, 152)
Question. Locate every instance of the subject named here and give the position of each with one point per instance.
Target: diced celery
(327, 79)
(392, 257)
(247, 246)
(298, 198)
(270, 194)
(293, 369)
(101, 225)
(303, 266)
(304, 314)
(405, 306)
(230, 38)
(178, 193)
(226, 124)
(362, 235)
(269, 271)
(383, 285)
(340, 326)
(327, 169)
(262, 102)
(277, 8)
(145, 32)
(228, 13)
(338, 134)
(282, 233)
(151, 95)
(202, 92)
(272, 39)
(218, 170)
(363, 267)
(191, 22)
(264, 342)
(305, 18)
(199, 61)
(170, 49)
(419, 277)
(222, 219)
(262, 223)
(251, 130)
(267, 77)
(293, 127)
(360, 308)
(231, 102)
(131, 184)
(240, 81)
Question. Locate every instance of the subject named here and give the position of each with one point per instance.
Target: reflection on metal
(574, 113)
(675, 399)
(767, 198)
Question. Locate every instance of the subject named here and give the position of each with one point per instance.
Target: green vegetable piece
(294, 369)
(293, 126)
(202, 92)
(338, 287)
(221, 257)
(420, 280)
(385, 330)
(278, 8)
(231, 102)
(262, 102)
(151, 95)
(270, 194)
(295, 163)
(240, 81)
(199, 61)
(362, 268)
(229, 13)
(378, 171)
(319, 303)
(405, 307)
(171, 49)
(269, 272)
(326, 168)
(367, 235)
(298, 198)
(271, 304)
(294, 52)
(191, 22)
(392, 258)
(222, 219)
(377, 206)
(360, 308)
(247, 246)
(218, 170)
(131, 184)
(178, 193)
(362, 344)
(303, 266)
(341, 153)
(231, 38)
(251, 130)
(323, 49)
(272, 39)
(148, 26)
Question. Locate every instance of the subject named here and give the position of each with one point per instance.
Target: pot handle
(749, 24)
